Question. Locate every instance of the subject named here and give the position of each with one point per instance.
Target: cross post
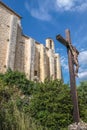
(67, 43)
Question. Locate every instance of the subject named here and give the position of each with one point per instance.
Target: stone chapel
(24, 54)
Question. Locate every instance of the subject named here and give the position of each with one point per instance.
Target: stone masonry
(24, 54)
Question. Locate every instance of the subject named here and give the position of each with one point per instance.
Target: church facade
(24, 54)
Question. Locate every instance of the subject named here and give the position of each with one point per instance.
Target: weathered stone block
(80, 126)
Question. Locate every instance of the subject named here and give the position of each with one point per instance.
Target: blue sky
(47, 18)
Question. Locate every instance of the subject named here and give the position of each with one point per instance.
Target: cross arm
(62, 40)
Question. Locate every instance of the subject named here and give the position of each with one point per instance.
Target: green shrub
(82, 96)
(51, 105)
(25, 105)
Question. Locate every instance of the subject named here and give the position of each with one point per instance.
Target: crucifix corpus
(73, 69)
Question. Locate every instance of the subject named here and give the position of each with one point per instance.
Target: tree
(82, 96)
(18, 79)
(14, 101)
(25, 105)
(51, 105)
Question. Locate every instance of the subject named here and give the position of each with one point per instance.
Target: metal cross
(73, 62)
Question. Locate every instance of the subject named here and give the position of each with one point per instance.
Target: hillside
(25, 105)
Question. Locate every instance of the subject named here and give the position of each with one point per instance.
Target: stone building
(24, 54)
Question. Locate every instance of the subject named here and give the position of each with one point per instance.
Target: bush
(82, 96)
(18, 79)
(25, 105)
(51, 105)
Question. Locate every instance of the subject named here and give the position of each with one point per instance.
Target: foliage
(25, 105)
(82, 96)
(18, 79)
(11, 116)
(51, 105)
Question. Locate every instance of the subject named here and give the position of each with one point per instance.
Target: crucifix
(73, 70)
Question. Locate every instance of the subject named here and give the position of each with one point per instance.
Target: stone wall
(5, 24)
(29, 58)
(32, 61)
(19, 53)
(50, 56)
(51, 64)
(50, 43)
(23, 53)
(47, 66)
(12, 43)
(58, 67)
(37, 62)
(42, 63)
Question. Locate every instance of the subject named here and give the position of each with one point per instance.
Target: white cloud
(64, 63)
(65, 4)
(71, 5)
(39, 10)
(83, 75)
(80, 38)
(42, 9)
(83, 65)
(82, 62)
(59, 49)
(81, 7)
(83, 57)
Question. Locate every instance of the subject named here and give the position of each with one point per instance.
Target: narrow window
(35, 73)
(50, 44)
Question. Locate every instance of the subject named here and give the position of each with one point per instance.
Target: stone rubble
(80, 126)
